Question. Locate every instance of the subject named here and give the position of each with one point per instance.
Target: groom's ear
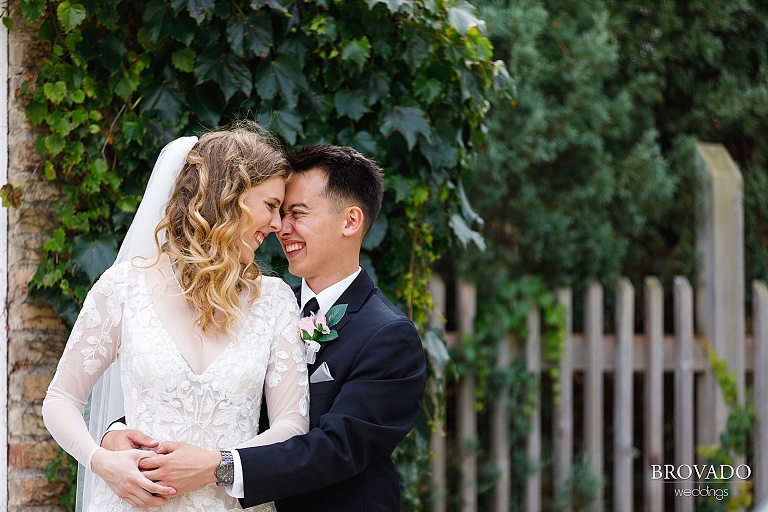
(353, 221)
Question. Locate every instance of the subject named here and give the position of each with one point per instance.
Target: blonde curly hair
(202, 220)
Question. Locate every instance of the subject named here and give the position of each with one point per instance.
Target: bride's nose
(276, 222)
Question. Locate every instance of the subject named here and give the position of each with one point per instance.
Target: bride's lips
(293, 248)
(259, 237)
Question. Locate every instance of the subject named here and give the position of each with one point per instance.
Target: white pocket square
(322, 374)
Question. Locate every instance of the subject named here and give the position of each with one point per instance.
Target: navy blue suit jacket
(356, 420)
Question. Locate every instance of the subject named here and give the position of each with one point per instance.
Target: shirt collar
(328, 297)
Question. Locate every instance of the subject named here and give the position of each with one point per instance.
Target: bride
(198, 333)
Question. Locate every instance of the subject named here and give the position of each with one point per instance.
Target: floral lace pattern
(164, 398)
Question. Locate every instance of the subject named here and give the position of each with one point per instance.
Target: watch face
(225, 474)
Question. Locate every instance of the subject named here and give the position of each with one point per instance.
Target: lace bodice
(130, 316)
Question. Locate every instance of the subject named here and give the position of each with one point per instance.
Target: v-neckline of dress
(169, 338)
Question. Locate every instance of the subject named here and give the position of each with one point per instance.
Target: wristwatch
(225, 473)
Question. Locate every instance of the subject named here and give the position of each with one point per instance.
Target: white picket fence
(593, 354)
(716, 316)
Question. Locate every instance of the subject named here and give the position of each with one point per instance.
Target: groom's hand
(127, 439)
(182, 466)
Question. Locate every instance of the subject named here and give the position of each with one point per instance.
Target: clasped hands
(150, 477)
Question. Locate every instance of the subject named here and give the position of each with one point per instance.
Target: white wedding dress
(138, 317)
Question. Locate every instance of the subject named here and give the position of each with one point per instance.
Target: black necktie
(310, 307)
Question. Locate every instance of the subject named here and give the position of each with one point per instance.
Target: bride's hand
(120, 470)
(126, 440)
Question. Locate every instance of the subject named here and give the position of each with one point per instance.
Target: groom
(366, 386)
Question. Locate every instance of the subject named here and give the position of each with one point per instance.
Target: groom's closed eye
(292, 212)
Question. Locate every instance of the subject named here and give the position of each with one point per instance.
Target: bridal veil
(106, 401)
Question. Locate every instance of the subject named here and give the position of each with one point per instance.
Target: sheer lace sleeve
(286, 386)
(91, 348)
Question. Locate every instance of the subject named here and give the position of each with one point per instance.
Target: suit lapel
(354, 297)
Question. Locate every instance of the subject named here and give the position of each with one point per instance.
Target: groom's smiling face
(312, 228)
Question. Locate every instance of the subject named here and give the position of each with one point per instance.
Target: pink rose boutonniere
(317, 329)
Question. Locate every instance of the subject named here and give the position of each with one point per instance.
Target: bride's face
(264, 202)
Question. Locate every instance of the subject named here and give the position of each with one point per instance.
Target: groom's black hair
(352, 178)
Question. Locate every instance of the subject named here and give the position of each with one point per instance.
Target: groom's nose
(287, 227)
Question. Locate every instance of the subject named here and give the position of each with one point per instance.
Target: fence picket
(593, 381)
(533, 364)
(760, 330)
(563, 415)
(654, 392)
(499, 437)
(684, 385)
(623, 406)
(467, 428)
(438, 480)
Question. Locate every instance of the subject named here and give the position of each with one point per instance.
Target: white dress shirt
(325, 299)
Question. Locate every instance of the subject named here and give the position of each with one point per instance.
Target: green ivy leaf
(37, 110)
(70, 15)
(296, 46)
(436, 349)
(206, 105)
(401, 186)
(356, 50)
(54, 143)
(278, 5)
(350, 104)
(252, 37)
(408, 121)
(286, 122)
(49, 170)
(466, 207)
(93, 256)
(159, 22)
(392, 5)
(57, 242)
(197, 8)
(164, 99)
(112, 51)
(283, 75)
(78, 96)
(361, 141)
(132, 131)
(55, 92)
(8, 22)
(157, 18)
(464, 233)
(440, 150)
(427, 89)
(378, 87)
(73, 40)
(417, 51)
(227, 70)
(184, 60)
(462, 17)
(503, 84)
(470, 88)
(32, 9)
(60, 123)
(124, 82)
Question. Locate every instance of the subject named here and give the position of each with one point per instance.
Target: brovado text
(700, 472)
